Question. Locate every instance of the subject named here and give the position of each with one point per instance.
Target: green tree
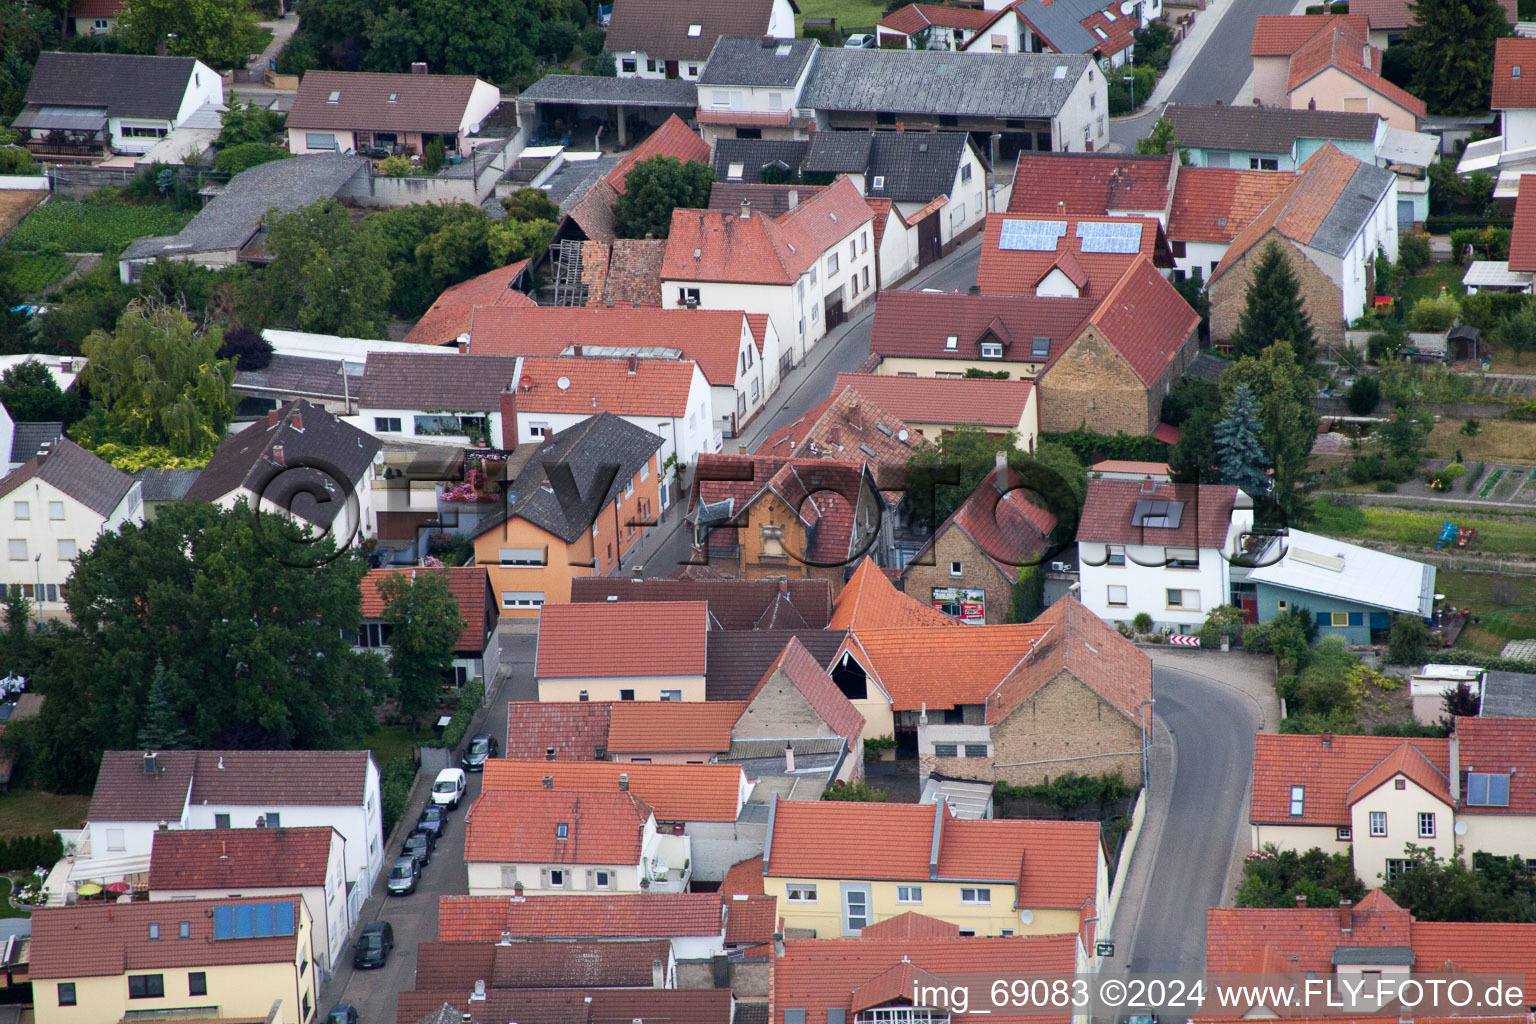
(1028, 598)
(163, 727)
(1452, 44)
(245, 155)
(31, 395)
(1161, 138)
(1273, 878)
(458, 249)
(1518, 332)
(1363, 395)
(1288, 425)
(424, 629)
(227, 598)
(1194, 458)
(1408, 642)
(531, 204)
(216, 32)
(861, 792)
(656, 187)
(325, 275)
(513, 240)
(1404, 434)
(941, 476)
(1437, 890)
(1272, 310)
(245, 123)
(1240, 457)
(157, 381)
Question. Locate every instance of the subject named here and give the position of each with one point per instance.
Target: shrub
(396, 166)
(1363, 395)
(1434, 312)
(1259, 638)
(1413, 252)
(860, 792)
(1142, 623)
(1446, 479)
(247, 347)
(873, 745)
(1068, 792)
(470, 696)
(1386, 487)
(1383, 346)
(395, 784)
(1525, 410)
(15, 160)
(1486, 310)
(1474, 476)
(433, 156)
(1491, 243)
(1408, 642)
(243, 157)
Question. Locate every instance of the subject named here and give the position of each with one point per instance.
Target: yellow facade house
(205, 959)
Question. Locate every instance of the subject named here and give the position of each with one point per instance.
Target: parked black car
(342, 1013)
(420, 844)
(434, 819)
(481, 748)
(373, 945)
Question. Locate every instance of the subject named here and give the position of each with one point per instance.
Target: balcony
(666, 865)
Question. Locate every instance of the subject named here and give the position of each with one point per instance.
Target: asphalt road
(1212, 730)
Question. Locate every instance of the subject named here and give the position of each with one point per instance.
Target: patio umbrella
(118, 887)
(88, 889)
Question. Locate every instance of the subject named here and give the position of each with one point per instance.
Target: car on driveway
(373, 945)
(404, 873)
(481, 748)
(342, 1013)
(448, 787)
(861, 41)
(434, 818)
(419, 844)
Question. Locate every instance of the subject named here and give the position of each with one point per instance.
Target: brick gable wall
(1322, 298)
(1091, 382)
(978, 573)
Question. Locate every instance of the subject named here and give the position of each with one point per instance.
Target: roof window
(1109, 14)
(1040, 348)
(694, 31)
(735, 171)
(1514, 72)
(783, 50)
(1061, 72)
(562, 831)
(393, 97)
(1100, 32)
(879, 181)
(951, 343)
(335, 97)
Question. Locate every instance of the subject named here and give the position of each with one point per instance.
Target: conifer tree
(1273, 311)
(1452, 45)
(1239, 454)
(162, 728)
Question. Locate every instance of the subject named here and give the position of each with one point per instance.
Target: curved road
(1212, 729)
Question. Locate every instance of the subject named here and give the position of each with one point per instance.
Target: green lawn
(6, 910)
(1427, 284)
(392, 741)
(1496, 534)
(28, 812)
(33, 272)
(259, 39)
(95, 227)
(1487, 597)
(850, 14)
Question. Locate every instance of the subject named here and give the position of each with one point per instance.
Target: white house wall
(43, 535)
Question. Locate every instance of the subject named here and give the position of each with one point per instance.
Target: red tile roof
(643, 727)
(1019, 271)
(1345, 47)
(1509, 91)
(1090, 184)
(1483, 947)
(917, 324)
(944, 400)
(676, 792)
(650, 916)
(806, 675)
(95, 8)
(1501, 745)
(466, 583)
(849, 426)
(1119, 33)
(1214, 204)
(520, 827)
(750, 920)
(1008, 528)
(1406, 760)
(525, 965)
(248, 858)
(1282, 35)
(1110, 505)
(578, 641)
(940, 666)
(1085, 645)
(381, 102)
(1146, 320)
(815, 974)
(1237, 939)
(1522, 241)
(709, 337)
(733, 604)
(762, 250)
(449, 316)
(109, 939)
(575, 729)
(814, 488)
(911, 925)
(869, 601)
(1328, 767)
(654, 387)
(570, 1005)
(1389, 15)
(758, 324)
(674, 139)
(745, 878)
(913, 18)
(126, 792)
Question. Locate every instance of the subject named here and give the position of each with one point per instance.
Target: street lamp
(1131, 78)
(38, 593)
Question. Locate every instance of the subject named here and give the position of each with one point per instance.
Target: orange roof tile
(1146, 320)
(750, 920)
(1522, 241)
(709, 337)
(1509, 91)
(507, 826)
(947, 400)
(1501, 745)
(1008, 528)
(1214, 204)
(1405, 760)
(467, 584)
(1083, 644)
(1327, 767)
(644, 387)
(574, 729)
(911, 925)
(758, 324)
(639, 727)
(806, 675)
(1392, 15)
(1344, 47)
(1109, 510)
(1282, 35)
(538, 964)
(847, 426)
(1018, 271)
(674, 139)
(942, 666)
(1482, 947)
(1090, 184)
(1235, 939)
(869, 601)
(676, 792)
(240, 858)
(653, 915)
(914, 18)
(449, 316)
(745, 878)
(578, 641)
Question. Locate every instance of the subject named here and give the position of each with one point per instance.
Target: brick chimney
(856, 416)
(271, 419)
(278, 455)
(298, 422)
(634, 364)
(509, 418)
(549, 782)
(835, 435)
(576, 351)
(1000, 478)
(418, 67)
(1301, 901)
(746, 209)
(623, 782)
(1346, 916)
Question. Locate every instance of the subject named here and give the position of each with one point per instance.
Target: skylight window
(879, 181)
(1040, 348)
(562, 831)
(1061, 72)
(951, 343)
(1100, 32)
(783, 50)
(394, 97)
(735, 171)
(694, 31)
(1109, 15)
(335, 97)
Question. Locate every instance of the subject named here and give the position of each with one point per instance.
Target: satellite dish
(1460, 828)
(1027, 916)
(901, 435)
(564, 383)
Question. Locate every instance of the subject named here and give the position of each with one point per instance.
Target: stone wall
(1322, 298)
(978, 572)
(1091, 383)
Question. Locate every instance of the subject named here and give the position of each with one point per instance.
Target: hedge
(395, 784)
(1444, 224)
(1090, 447)
(1477, 659)
(1070, 791)
(23, 853)
(470, 697)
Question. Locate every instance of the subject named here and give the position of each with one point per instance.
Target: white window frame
(1378, 823)
(24, 510)
(70, 553)
(1117, 591)
(909, 894)
(1426, 818)
(956, 568)
(976, 895)
(800, 892)
(22, 548)
(1298, 801)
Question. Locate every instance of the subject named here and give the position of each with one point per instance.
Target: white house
(806, 270)
(284, 461)
(478, 643)
(428, 399)
(751, 86)
(341, 111)
(1159, 547)
(1104, 28)
(138, 793)
(673, 38)
(210, 864)
(549, 841)
(55, 505)
(80, 104)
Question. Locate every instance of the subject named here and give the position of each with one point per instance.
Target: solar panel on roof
(1115, 237)
(1031, 235)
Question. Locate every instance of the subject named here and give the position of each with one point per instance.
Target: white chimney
(1001, 483)
(478, 995)
(746, 209)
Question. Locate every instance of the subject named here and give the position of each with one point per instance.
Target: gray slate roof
(408, 380)
(623, 92)
(94, 483)
(234, 215)
(123, 85)
(1510, 695)
(30, 439)
(755, 154)
(589, 449)
(737, 659)
(165, 484)
(917, 166)
(571, 183)
(1264, 129)
(1061, 22)
(839, 152)
(936, 82)
(1352, 209)
(756, 62)
(289, 376)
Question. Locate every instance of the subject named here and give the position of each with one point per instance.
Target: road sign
(1104, 949)
(1184, 641)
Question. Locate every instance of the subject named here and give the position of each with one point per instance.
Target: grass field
(1496, 534)
(392, 741)
(95, 227)
(849, 13)
(1487, 596)
(1427, 284)
(28, 812)
(6, 910)
(1498, 441)
(33, 272)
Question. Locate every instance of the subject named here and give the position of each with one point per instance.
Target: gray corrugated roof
(754, 155)
(623, 92)
(839, 152)
(1510, 695)
(936, 82)
(918, 167)
(299, 377)
(587, 448)
(1061, 22)
(30, 439)
(1352, 209)
(121, 84)
(166, 484)
(1264, 129)
(232, 217)
(757, 62)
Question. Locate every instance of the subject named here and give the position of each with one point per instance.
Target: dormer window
(1298, 800)
(991, 350)
(951, 343)
(694, 31)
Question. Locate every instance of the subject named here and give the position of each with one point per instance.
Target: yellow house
(838, 868)
(235, 958)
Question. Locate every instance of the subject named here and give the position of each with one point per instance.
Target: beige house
(1327, 62)
(589, 652)
(1493, 762)
(246, 958)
